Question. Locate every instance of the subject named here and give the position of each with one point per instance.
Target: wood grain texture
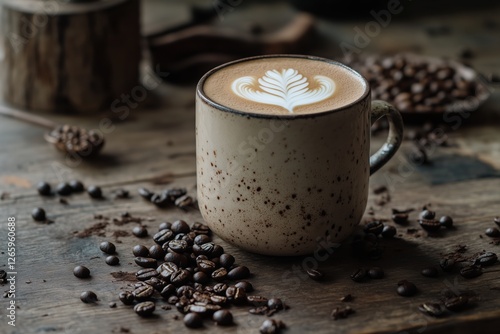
(60, 60)
(156, 145)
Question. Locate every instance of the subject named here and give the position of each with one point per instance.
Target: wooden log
(61, 56)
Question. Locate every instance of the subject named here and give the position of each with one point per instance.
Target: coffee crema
(284, 86)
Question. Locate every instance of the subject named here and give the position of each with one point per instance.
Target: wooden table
(154, 147)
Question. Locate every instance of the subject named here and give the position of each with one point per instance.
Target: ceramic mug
(279, 184)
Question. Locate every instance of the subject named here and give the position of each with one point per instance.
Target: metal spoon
(70, 139)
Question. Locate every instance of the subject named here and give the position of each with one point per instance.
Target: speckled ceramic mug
(278, 184)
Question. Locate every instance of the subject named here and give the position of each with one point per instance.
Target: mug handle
(387, 151)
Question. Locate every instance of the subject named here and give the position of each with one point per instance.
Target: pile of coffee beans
(427, 220)
(416, 85)
(76, 140)
(168, 197)
(67, 188)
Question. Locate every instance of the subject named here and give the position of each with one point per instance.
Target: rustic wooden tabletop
(154, 147)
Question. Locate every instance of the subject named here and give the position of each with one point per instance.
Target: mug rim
(201, 93)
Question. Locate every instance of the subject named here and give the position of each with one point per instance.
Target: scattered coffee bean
(163, 236)
(240, 272)
(44, 188)
(432, 309)
(389, 231)
(38, 214)
(374, 227)
(184, 202)
(145, 309)
(94, 191)
(193, 320)
(406, 288)
(126, 297)
(146, 273)
(430, 225)
(64, 189)
(492, 232)
(112, 260)
(275, 304)
(112, 304)
(427, 215)
(496, 220)
(314, 274)
(223, 318)
(88, 297)
(446, 221)
(107, 247)
(471, 271)
(400, 218)
(359, 275)
(456, 304)
(486, 259)
(347, 298)
(271, 326)
(341, 312)
(180, 226)
(143, 292)
(140, 231)
(226, 260)
(81, 272)
(430, 272)
(146, 262)
(376, 273)
(447, 264)
(245, 285)
(156, 252)
(140, 251)
(164, 226)
(76, 186)
(145, 193)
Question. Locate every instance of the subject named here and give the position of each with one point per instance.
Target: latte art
(287, 89)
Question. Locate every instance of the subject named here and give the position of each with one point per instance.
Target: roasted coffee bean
(172, 300)
(389, 231)
(374, 227)
(271, 326)
(432, 309)
(160, 200)
(341, 312)
(245, 285)
(206, 266)
(145, 274)
(446, 221)
(201, 277)
(64, 189)
(226, 260)
(112, 260)
(180, 277)
(427, 215)
(107, 247)
(492, 232)
(81, 272)
(223, 318)
(359, 275)
(200, 309)
(257, 300)
(496, 220)
(275, 304)
(140, 251)
(315, 274)
(38, 214)
(94, 191)
(400, 218)
(431, 225)
(146, 262)
(179, 259)
(140, 231)
(236, 295)
(156, 252)
(145, 309)
(376, 273)
(471, 271)
(220, 288)
(200, 229)
(76, 186)
(88, 297)
(175, 193)
(201, 239)
(168, 291)
(486, 259)
(240, 272)
(193, 320)
(44, 188)
(406, 288)
(261, 310)
(430, 272)
(145, 193)
(456, 304)
(164, 226)
(167, 269)
(163, 236)
(447, 264)
(178, 246)
(126, 297)
(180, 226)
(157, 283)
(143, 292)
(218, 300)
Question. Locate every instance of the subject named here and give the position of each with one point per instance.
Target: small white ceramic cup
(281, 184)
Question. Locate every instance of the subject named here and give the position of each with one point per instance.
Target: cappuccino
(284, 86)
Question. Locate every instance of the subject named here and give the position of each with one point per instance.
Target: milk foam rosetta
(284, 85)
